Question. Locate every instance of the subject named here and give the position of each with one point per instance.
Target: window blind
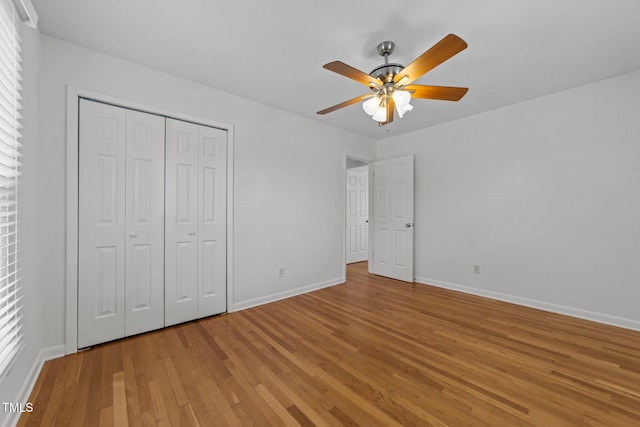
(11, 341)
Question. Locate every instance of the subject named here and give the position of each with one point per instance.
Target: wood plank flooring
(370, 352)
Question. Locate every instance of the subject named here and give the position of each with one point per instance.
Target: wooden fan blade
(391, 105)
(352, 73)
(445, 93)
(440, 52)
(344, 104)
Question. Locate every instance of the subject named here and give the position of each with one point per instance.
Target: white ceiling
(273, 51)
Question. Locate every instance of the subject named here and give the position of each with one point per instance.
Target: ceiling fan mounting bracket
(386, 48)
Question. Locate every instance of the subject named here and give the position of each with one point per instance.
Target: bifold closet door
(121, 223)
(144, 207)
(195, 230)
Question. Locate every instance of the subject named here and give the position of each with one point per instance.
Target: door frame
(369, 161)
(71, 246)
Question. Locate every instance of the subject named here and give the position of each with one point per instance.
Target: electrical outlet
(476, 269)
(280, 272)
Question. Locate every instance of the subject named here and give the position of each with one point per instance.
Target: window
(10, 295)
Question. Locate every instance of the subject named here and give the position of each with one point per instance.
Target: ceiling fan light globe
(404, 109)
(370, 105)
(401, 98)
(380, 114)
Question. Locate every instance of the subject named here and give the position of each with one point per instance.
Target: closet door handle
(192, 233)
(133, 234)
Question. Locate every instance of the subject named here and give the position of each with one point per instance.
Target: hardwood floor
(370, 352)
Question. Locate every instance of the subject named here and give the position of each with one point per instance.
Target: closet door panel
(101, 223)
(181, 222)
(144, 222)
(212, 220)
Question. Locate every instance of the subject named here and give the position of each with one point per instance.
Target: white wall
(543, 195)
(288, 173)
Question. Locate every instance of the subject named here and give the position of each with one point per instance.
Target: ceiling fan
(390, 83)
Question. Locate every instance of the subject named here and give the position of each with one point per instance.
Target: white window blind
(10, 294)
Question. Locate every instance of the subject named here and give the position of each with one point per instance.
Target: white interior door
(152, 222)
(144, 259)
(181, 222)
(101, 222)
(195, 228)
(212, 221)
(121, 223)
(357, 214)
(393, 218)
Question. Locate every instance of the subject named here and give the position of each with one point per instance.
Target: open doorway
(386, 223)
(357, 211)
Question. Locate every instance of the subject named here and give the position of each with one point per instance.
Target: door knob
(133, 234)
(192, 233)
(408, 225)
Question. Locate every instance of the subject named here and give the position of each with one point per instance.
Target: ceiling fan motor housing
(386, 72)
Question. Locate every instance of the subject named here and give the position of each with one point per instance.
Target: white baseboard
(286, 294)
(31, 378)
(554, 308)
